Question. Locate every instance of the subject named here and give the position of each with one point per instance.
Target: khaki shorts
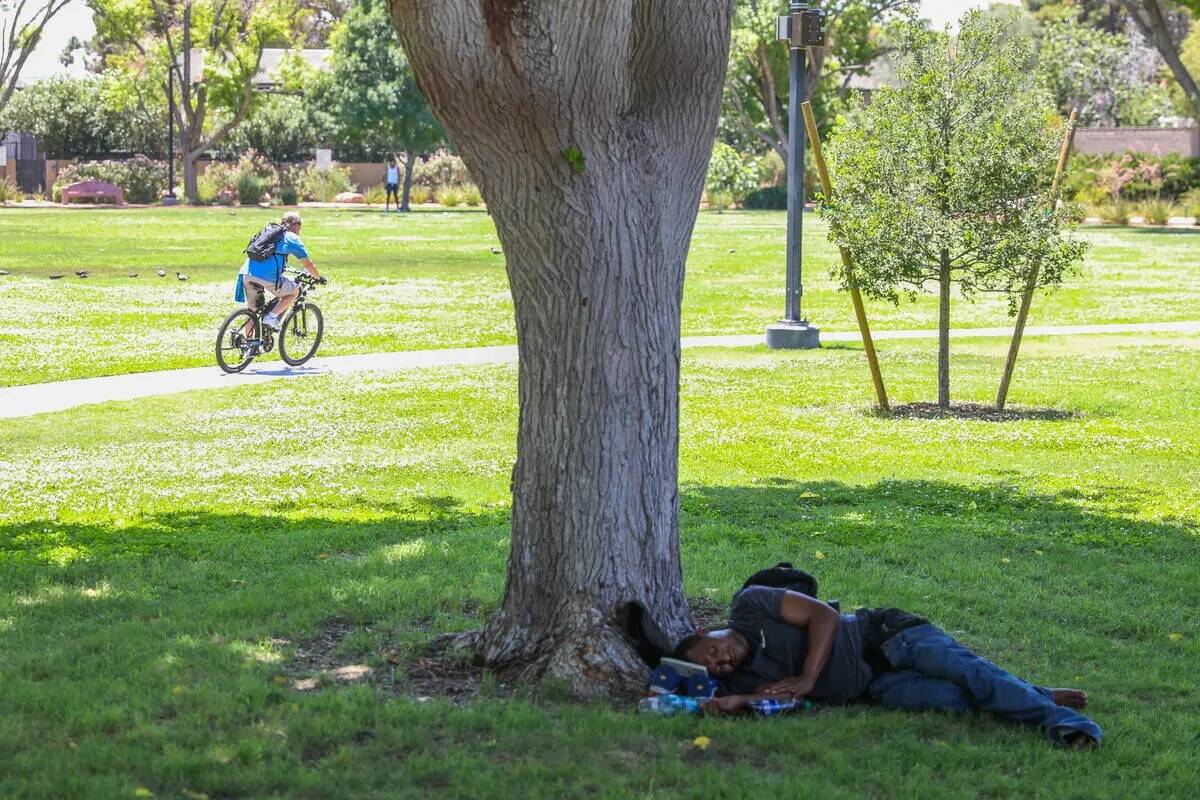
(255, 285)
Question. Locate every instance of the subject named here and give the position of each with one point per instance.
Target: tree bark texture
(588, 128)
(944, 331)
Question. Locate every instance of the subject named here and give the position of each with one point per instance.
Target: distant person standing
(392, 184)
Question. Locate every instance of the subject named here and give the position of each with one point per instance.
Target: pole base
(786, 335)
(170, 200)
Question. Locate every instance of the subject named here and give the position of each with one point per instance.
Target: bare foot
(1071, 698)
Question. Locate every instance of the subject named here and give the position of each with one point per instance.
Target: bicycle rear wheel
(301, 334)
(233, 345)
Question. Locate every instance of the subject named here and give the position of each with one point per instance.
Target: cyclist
(259, 276)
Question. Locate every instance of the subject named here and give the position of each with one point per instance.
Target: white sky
(76, 20)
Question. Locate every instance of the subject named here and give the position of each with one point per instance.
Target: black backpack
(262, 245)
(783, 576)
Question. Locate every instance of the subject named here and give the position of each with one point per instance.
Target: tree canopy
(370, 95)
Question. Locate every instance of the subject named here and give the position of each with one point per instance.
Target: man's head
(720, 652)
(291, 221)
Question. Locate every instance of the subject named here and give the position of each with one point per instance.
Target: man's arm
(822, 621)
(310, 267)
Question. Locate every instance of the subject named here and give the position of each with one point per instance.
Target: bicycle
(243, 337)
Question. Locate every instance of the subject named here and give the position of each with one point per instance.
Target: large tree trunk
(944, 331)
(588, 127)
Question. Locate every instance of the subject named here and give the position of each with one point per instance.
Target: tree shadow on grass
(232, 597)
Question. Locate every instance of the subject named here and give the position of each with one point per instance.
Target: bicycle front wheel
(301, 334)
(234, 342)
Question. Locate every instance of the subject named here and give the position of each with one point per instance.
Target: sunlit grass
(430, 279)
(160, 561)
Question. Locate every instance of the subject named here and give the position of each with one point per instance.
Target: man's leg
(286, 298)
(912, 691)
(932, 652)
(253, 290)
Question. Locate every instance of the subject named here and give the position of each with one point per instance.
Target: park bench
(94, 191)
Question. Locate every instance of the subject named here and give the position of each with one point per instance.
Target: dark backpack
(262, 245)
(782, 576)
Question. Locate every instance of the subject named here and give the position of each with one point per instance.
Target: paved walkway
(21, 401)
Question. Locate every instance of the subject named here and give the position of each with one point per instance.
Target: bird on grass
(162, 273)
(55, 276)
(496, 251)
(81, 273)
(3, 272)
(133, 274)
(181, 276)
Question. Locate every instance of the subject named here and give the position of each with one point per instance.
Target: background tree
(370, 92)
(283, 127)
(588, 127)
(143, 39)
(756, 89)
(1156, 21)
(940, 180)
(77, 118)
(1104, 75)
(21, 26)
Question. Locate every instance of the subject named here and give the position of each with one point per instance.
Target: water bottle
(668, 705)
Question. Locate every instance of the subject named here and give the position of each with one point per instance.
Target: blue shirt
(270, 269)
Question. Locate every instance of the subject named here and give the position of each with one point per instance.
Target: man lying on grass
(787, 645)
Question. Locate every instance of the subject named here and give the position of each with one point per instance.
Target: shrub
(321, 185)
(442, 168)
(771, 170)
(449, 196)
(376, 194)
(1157, 212)
(1095, 179)
(720, 200)
(471, 195)
(250, 189)
(9, 193)
(143, 180)
(772, 198)
(287, 195)
(1117, 213)
(729, 173)
(420, 194)
(244, 181)
(1190, 201)
(1076, 212)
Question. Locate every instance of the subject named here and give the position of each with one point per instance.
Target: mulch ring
(317, 664)
(439, 671)
(977, 411)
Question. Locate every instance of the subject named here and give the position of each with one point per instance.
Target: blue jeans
(933, 671)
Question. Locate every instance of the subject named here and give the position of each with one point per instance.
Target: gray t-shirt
(779, 648)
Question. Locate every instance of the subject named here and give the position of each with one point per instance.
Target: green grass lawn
(429, 279)
(162, 562)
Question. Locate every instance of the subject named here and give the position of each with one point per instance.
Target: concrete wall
(1159, 141)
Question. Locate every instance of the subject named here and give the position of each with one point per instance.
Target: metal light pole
(804, 27)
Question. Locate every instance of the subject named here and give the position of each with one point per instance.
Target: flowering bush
(143, 179)
(443, 168)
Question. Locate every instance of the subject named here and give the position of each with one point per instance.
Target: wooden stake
(1010, 364)
(860, 312)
